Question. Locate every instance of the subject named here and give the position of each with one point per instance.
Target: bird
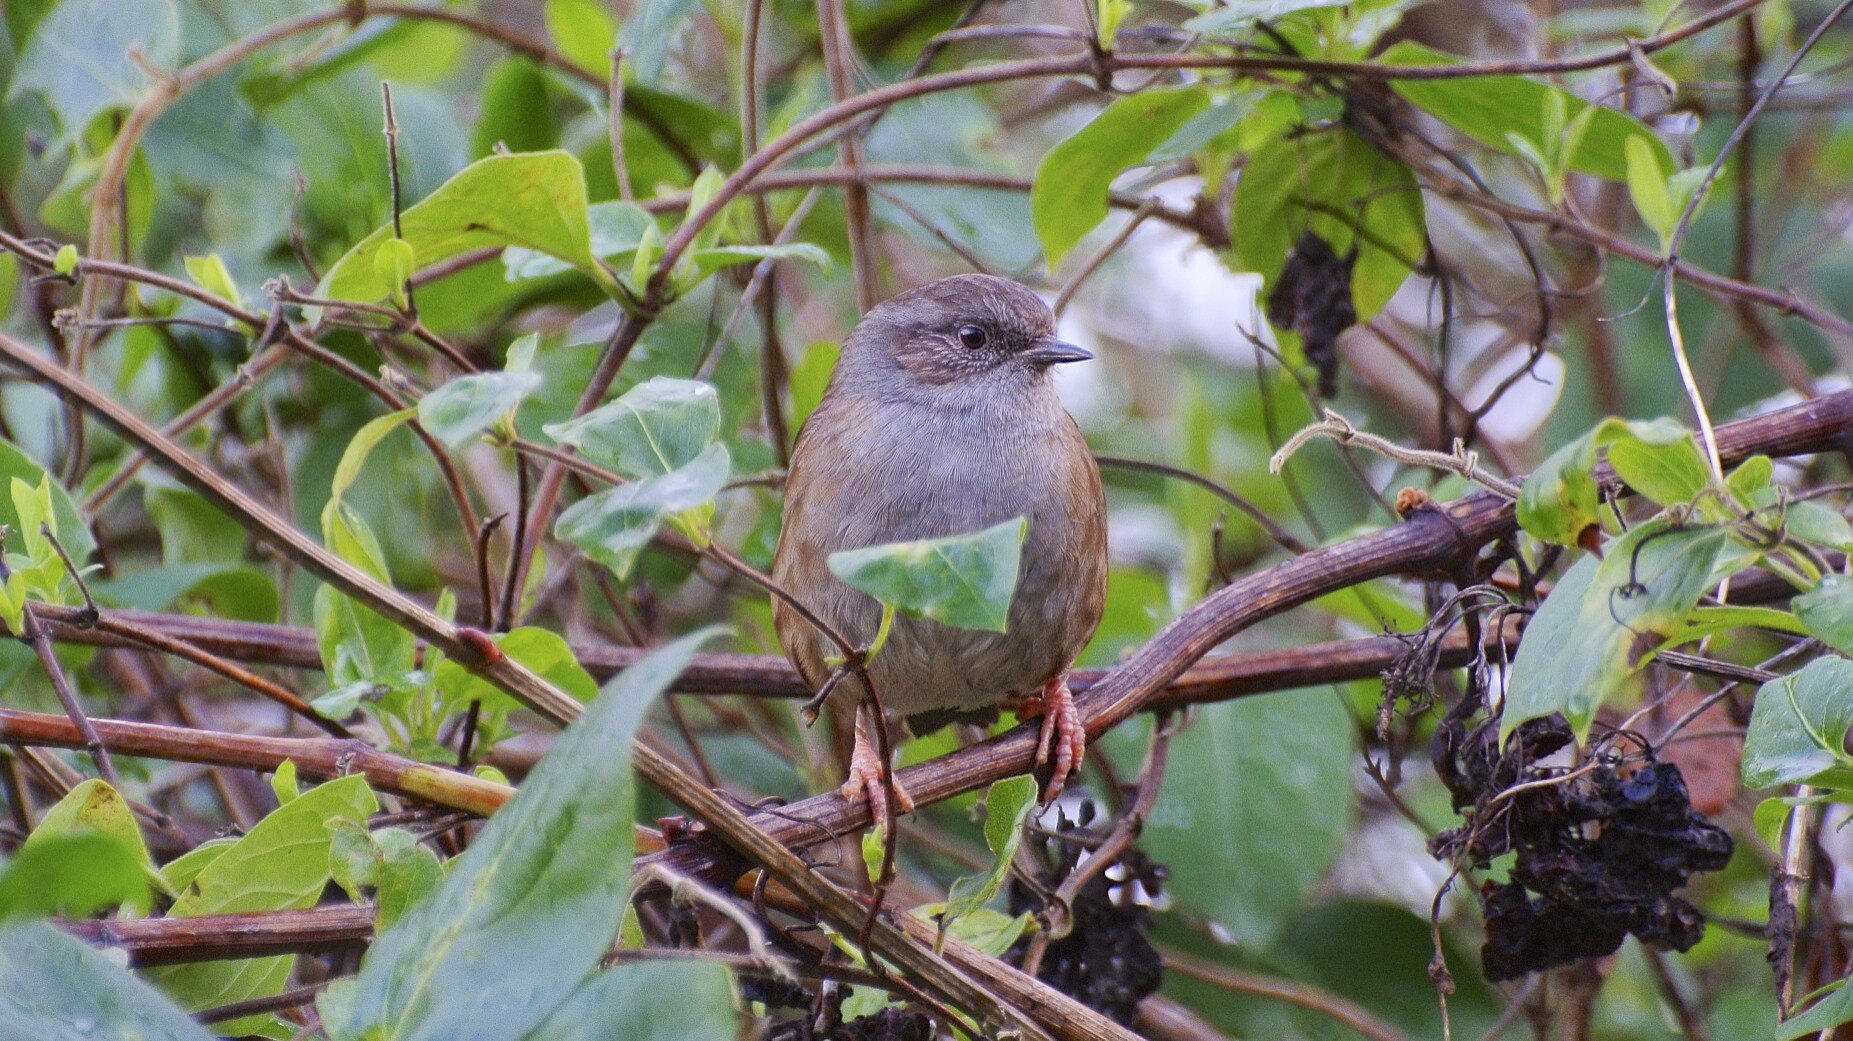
(941, 418)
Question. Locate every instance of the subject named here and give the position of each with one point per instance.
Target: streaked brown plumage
(941, 419)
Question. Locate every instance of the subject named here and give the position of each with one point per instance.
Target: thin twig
(1461, 461)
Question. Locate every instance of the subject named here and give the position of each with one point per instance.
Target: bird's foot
(865, 781)
(1063, 738)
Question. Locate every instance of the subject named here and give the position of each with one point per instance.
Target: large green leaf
(1587, 640)
(1798, 728)
(618, 228)
(78, 56)
(76, 873)
(1069, 196)
(531, 199)
(532, 905)
(1257, 801)
(458, 412)
(1827, 611)
(92, 809)
(646, 1001)
(1489, 108)
(613, 526)
(1331, 183)
(57, 989)
(281, 863)
(963, 580)
(658, 426)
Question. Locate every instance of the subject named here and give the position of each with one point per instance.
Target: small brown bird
(941, 419)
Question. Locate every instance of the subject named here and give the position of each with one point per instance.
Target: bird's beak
(1055, 352)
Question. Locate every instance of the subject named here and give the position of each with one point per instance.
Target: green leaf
(1647, 187)
(618, 228)
(584, 31)
(1331, 183)
(74, 873)
(1753, 475)
(210, 274)
(458, 412)
(809, 378)
(1833, 1009)
(705, 262)
(613, 526)
(347, 471)
(73, 533)
(281, 863)
(1069, 196)
(992, 932)
(646, 1001)
(58, 989)
(1588, 638)
(1817, 523)
(284, 783)
(1827, 612)
(1237, 19)
(533, 904)
(93, 806)
(654, 25)
(654, 428)
(1007, 805)
(545, 653)
(391, 861)
(531, 199)
(1559, 499)
(78, 56)
(393, 264)
(1489, 108)
(515, 112)
(1668, 471)
(236, 591)
(1798, 728)
(961, 580)
(64, 261)
(1248, 827)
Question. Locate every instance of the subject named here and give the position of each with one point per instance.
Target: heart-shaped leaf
(963, 580)
(613, 526)
(1798, 728)
(531, 199)
(655, 427)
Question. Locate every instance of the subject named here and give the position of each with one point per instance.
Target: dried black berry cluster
(1599, 854)
(1312, 297)
(1105, 962)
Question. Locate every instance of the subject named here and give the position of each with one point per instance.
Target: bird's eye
(972, 336)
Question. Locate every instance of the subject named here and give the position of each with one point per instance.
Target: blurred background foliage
(1284, 857)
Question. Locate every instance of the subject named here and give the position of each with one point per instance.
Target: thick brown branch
(1434, 539)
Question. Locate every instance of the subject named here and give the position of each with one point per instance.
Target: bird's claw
(866, 781)
(1063, 738)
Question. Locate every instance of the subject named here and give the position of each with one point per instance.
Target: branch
(1431, 539)
(322, 757)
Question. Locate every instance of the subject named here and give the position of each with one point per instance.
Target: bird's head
(962, 331)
